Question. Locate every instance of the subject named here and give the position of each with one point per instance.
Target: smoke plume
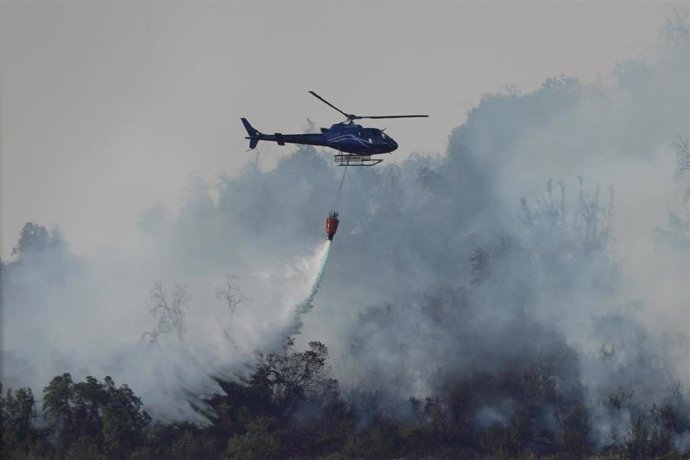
(542, 238)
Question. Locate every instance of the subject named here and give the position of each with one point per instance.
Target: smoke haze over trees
(526, 292)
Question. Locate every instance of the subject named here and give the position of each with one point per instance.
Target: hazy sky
(106, 109)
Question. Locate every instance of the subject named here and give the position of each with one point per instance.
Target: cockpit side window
(374, 135)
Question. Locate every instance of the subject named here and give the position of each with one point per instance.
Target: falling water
(308, 303)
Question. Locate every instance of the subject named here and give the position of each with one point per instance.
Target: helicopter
(355, 144)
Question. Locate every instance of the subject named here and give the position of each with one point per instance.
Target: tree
(36, 239)
(230, 294)
(682, 148)
(292, 376)
(259, 442)
(676, 233)
(124, 419)
(93, 415)
(573, 431)
(169, 312)
(87, 400)
(17, 413)
(57, 409)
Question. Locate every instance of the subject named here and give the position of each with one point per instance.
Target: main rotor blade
(349, 116)
(391, 116)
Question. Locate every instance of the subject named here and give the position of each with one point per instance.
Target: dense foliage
(291, 407)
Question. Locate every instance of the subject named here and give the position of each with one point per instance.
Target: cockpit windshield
(376, 136)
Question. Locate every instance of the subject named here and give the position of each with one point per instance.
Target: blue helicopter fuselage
(343, 137)
(352, 138)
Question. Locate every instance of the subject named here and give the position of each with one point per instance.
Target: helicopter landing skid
(355, 160)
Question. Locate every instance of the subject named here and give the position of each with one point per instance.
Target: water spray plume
(308, 303)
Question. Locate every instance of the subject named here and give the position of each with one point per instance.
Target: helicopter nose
(394, 145)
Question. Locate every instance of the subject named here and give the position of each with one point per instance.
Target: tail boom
(255, 136)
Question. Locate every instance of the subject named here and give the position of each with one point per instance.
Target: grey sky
(107, 108)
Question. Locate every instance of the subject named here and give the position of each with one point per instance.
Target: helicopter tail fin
(253, 133)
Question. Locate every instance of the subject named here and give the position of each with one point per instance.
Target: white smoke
(95, 323)
(403, 307)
